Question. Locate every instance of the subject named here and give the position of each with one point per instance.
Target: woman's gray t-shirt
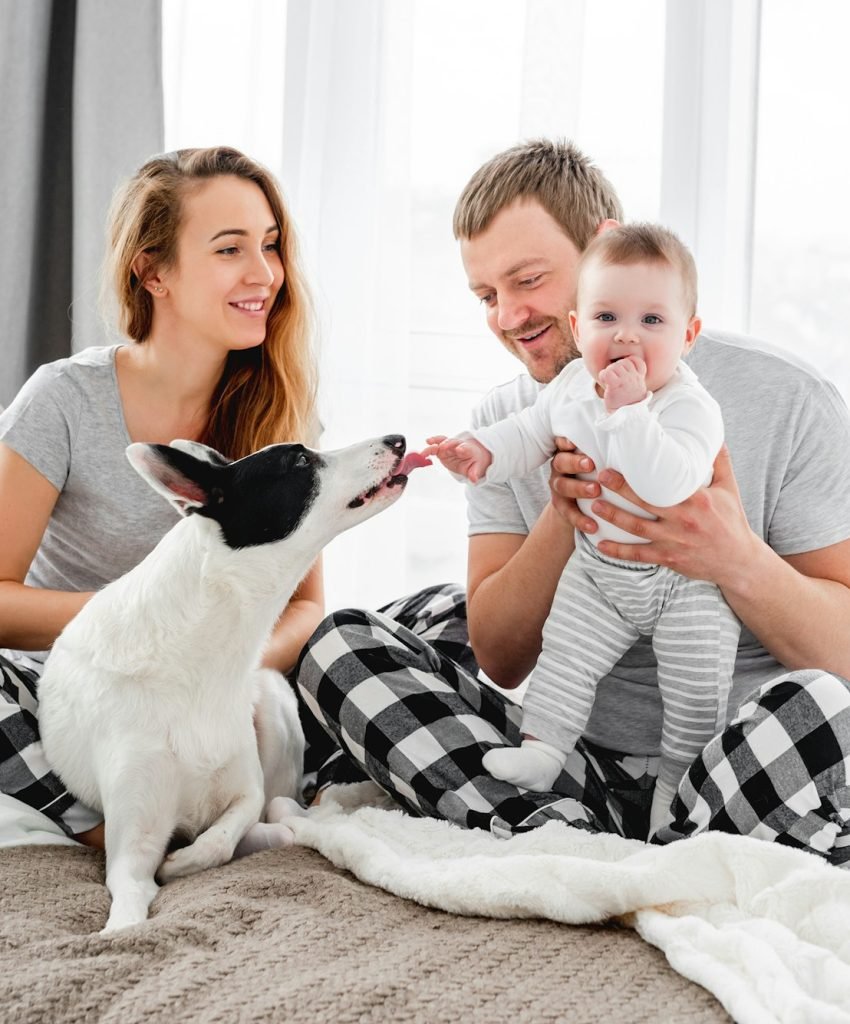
(68, 423)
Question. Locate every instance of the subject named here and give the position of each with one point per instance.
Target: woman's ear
(143, 269)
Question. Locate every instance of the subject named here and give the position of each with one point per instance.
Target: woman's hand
(566, 488)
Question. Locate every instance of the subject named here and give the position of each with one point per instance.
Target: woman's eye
(529, 282)
(228, 250)
(271, 247)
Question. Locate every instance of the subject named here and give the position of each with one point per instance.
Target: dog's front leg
(280, 738)
(215, 846)
(139, 808)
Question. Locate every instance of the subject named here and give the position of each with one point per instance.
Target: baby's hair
(644, 243)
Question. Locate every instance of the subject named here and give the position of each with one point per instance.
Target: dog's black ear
(201, 451)
(186, 481)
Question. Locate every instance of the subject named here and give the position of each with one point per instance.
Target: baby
(630, 404)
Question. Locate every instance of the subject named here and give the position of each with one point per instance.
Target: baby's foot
(535, 765)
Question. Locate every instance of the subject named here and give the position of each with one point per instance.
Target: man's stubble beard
(564, 354)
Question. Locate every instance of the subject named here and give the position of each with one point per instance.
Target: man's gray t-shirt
(788, 432)
(68, 422)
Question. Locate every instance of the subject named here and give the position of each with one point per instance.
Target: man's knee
(804, 699)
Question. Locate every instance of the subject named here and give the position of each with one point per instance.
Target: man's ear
(693, 329)
(187, 482)
(606, 225)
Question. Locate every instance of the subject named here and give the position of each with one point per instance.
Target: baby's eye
(652, 318)
(606, 318)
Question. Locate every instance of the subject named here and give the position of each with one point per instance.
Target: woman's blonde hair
(266, 394)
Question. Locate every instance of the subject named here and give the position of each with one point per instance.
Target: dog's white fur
(148, 699)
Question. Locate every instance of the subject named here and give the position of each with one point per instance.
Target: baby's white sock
(660, 813)
(535, 765)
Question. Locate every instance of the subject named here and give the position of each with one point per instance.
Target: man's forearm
(508, 608)
(804, 621)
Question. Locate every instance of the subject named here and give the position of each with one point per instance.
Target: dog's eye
(301, 461)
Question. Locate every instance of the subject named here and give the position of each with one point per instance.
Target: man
(398, 690)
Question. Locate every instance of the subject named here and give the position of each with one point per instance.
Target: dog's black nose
(396, 442)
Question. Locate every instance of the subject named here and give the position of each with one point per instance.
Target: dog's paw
(209, 850)
(283, 807)
(263, 836)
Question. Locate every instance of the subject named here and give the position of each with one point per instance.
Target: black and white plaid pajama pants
(397, 691)
(24, 772)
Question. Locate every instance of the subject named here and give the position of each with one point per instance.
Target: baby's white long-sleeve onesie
(665, 447)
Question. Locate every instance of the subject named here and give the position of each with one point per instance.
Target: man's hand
(706, 537)
(623, 382)
(566, 488)
(466, 457)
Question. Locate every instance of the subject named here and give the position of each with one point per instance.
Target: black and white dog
(150, 696)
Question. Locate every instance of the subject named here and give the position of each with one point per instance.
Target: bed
(377, 916)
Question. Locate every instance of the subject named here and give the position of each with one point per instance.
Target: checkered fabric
(779, 771)
(397, 691)
(24, 773)
(417, 721)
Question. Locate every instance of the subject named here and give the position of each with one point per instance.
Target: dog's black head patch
(256, 500)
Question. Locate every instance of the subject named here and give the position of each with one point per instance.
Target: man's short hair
(644, 243)
(569, 186)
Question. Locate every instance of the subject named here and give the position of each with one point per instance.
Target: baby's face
(636, 309)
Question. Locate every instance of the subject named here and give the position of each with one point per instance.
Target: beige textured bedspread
(285, 936)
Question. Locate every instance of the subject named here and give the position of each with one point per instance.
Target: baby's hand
(467, 457)
(624, 383)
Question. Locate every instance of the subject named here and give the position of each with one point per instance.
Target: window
(801, 245)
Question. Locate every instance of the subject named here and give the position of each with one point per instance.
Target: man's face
(523, 269)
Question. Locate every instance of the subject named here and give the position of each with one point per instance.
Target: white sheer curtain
(376, 112)
(346, 168)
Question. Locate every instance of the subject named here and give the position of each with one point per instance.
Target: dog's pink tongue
(411, 461)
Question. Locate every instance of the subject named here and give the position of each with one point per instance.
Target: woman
(210, 295)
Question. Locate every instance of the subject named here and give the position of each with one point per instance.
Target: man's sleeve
(492, 507)
(813, 506)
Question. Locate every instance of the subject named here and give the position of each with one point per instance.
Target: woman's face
(228, 271)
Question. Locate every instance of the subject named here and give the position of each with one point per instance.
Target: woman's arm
(296, 625)
(30, 619)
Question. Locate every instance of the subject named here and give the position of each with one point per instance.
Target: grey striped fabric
(601, 608)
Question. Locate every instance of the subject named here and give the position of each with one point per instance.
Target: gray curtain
(80, 108)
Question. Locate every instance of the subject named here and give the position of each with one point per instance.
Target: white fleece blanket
(764, 928)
